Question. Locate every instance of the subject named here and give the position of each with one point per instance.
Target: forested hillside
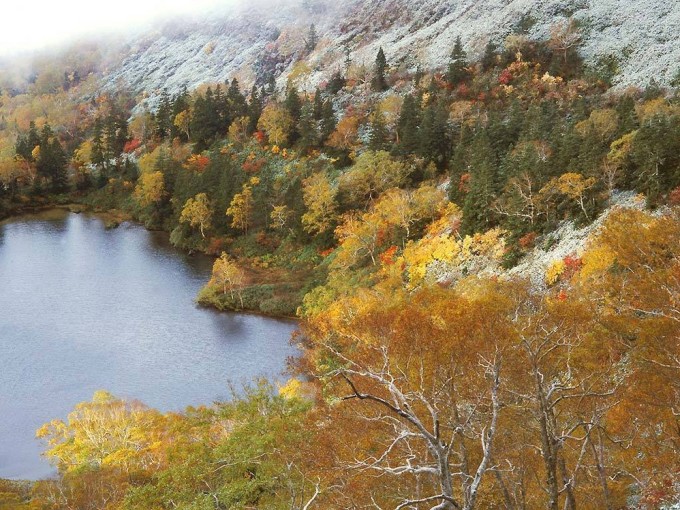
(387, 209)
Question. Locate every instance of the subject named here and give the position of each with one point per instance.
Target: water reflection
(83, 308)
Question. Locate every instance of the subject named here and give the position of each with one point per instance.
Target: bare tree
(431, 427)
(565, 36)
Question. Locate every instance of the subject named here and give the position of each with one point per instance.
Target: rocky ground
(249, 41)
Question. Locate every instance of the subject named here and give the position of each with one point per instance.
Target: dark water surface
(83, 308)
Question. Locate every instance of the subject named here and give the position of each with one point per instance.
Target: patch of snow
(642, 36)
(568, 240)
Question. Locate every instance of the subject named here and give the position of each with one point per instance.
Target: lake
(83, 308)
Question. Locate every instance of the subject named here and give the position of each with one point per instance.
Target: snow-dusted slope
(250, 41)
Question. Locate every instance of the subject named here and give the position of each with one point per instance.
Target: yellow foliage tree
(346, 134)
(104, 432)
(198, 212)
(241, 209)
(572, 185)
(182, 122)
(150, 188)
(147, 163)
(319, 197)
(279, 216)
(276, 122)
(373, 173)
(555, 270)
(227, 275)
(239, 129)
(603, 123)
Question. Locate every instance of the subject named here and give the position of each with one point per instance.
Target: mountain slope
(268, 37)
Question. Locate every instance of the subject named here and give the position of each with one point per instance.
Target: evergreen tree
(180, 104)
(328, 121)
(97, 157)
(379, 81)
(656, 157)
(238, 105)
(162, 117)
(336, 83)
(294, 106)
(222, 113)
(318, 104)
(459, 165)
(116, 134)
(110, 136)
(254, 110)
(312, 39)
(271, 85)
(307, 129)
(378, 136)
(122, 132)
(490, 57)
(59, 174)
(408, 124)
(483, 189)
(628, 120)
(26, 143)
(435, 140)
(52, 160)
(200, 124)
(418, 76)
(568, 146)
(218, 112)
(457, 72)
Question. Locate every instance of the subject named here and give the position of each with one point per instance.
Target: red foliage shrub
(253, 166)
(674, 196)
(464, 183)
(197, 163)
(132, 146)
(527, 241)
(505, 77)
(463, 91)
(215, 246)
(387, 258)
(572, 265)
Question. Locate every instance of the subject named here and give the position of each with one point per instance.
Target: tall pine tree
(294, 106)
(379, 80)
(308, 129)
(457, 72)
(483, 186)
(378, 135)
(254, 110)
(238, 106)
(435, 138)
(408, 125)
(51, 162)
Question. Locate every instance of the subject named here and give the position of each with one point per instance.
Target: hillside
(474, 213)
(638, 38)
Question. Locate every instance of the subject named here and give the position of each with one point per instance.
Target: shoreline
(112, 219)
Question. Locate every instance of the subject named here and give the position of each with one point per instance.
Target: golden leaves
(150, 188)
(198, 213)
(319, 197)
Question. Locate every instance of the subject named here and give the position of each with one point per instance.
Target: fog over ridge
(43, 24)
